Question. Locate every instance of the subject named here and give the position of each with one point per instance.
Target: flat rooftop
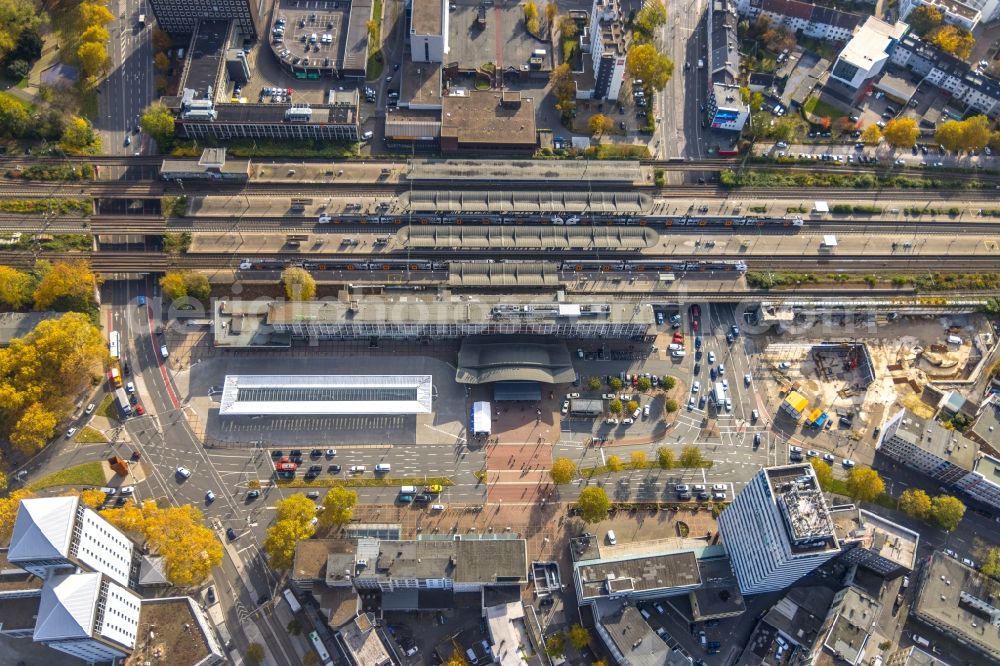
(172, 631)
(889, 540)
(871, 42)
(803, 508)
(466, 561)
(588, 171)
(853, 627)
(205, 56)
(427, 17)
(934, 438)
(327, 21)
(480, 119)
(634, 638)
(529, 237)
(420, 85)
(249, 395)
(363, 643)
(720, 593)
(962, 601)
(275, 114)
(518, 201)
(605, 577)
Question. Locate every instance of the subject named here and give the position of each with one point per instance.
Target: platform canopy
(282, 395)
(485, 360)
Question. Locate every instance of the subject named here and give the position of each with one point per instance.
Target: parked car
(183, 472)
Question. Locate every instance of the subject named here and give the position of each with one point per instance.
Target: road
(679, 132)
(128, 89)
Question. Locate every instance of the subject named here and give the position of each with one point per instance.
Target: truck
(293, 603)
(115, 377)
(142, 20)
(123, 404)
(719, 394)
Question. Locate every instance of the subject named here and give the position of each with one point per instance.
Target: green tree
(947, 512)
(614, 463)
(594, 384)
(79, 137)
(645, 384)
(299, 284)
(668, 382)
(615, 406)
(562, 471)
(671, 406)
(652, 15)
(593, 504)
(925, 18)
(691, 457)
(645, 62)
(916, 503)
(616, 384)
(255, 653)
(871, 135)
(824, 474)
(568, 28)
(665, 457)
(864, 484)
(952, 39)
(991, 563)
(901, 132)
(158, 122)
(338, 505)
(579, 637)
(555, 645)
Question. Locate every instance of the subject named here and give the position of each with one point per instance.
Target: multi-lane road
(128, 88)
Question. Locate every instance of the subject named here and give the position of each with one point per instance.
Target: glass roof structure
(280, 395)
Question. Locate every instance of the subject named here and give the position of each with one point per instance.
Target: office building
(873, 542)
(180, 17)
(428, 30)
(864, 57)
(60, 535)
(607, 48)
(927, 446)
(848, 626)
(778, 529)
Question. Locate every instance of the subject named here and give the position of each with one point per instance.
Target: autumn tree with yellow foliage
(176, 533)
(15, 288)
(42, 373)
(64, 286)
(292, 523)
(952, 39)
(8, 512)
(901, 132)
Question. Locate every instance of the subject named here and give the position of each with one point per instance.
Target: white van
(612, 539)
(383, 467)
(954, 340)
(407, 490)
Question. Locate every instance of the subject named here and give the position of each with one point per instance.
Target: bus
(293, 603)
(324, 656)
(114, 345)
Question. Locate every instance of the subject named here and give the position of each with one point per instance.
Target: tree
(645, 62)
(949, 135)
(93, 57)
(964, 135)
(778, 39)
(864, 484)
(295, 507)
(871, 135)
(563, 89)
(8, 512)
(600, 123)
(825, 122)
(924, 18)
(901, 132)
(916, 503)
(691, 457)
(456, 658)
(594, 384)
(614, 463)
(616, 384)
(35, 427)
(89, 14)
(645, 384)
(79, 137)
(593, 504)
(756, 101)
(665, 457)
(668, 382)
(991, 563)
(555, 645)
(14, 116)
(568, 28)
(92, 497)
(615, 406)
(64, 286)
(255, 653)
(161, 62)
(15, 288)
(671, 406)
(638, 459)
(578, 636)
(177, 285)
(337, 506)
(531, 21)
(161, 40)
(952, 39)
(279, 543)
(562, 470)
(95, 33)
(299, 284)
(947, 512)
(652, 15)
(632, 406)
(551, 10)
(824, 474)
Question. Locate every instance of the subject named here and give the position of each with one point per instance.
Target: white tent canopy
(829, 240)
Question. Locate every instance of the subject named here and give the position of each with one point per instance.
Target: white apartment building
(607, 49)
(864, 57)
(778, 529)
(811, 20)
(927, 446)
(428, 30)
(88, 616)
(61, 534)
(951, 74)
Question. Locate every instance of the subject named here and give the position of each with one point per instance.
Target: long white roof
(250, 395)
(43, 528)
(67, 607)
